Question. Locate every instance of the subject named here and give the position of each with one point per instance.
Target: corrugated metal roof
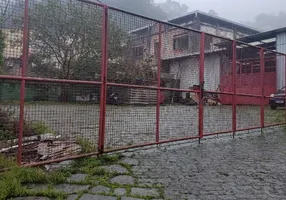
(197, 13)
(263, 36)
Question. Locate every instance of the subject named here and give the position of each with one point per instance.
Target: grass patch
(7, 163)
(274, 116)
(110, 158)
(12, 182)
(161, 191)
(15, 182)
(90, 165)
(9, 126)
(41, 128)
(128, 167)
(86, 145)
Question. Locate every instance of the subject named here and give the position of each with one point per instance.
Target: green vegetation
(15, 182)
(7, 162)
(39, 127)
(90, 165)
(80, 42)
(9, 127)
(274, 116)
(86, 145)
(20, 181)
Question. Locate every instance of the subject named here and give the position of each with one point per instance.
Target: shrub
(86, 145)
(39, 127)
(9, 126)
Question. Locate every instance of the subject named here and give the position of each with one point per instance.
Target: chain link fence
(79, 78)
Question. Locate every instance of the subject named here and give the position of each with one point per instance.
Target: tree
(173, 8)
(65, 39)
(4, 16)
(128, 69)
(269, 21)
(143, 7)
(2, 46)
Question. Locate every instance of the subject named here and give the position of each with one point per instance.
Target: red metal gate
(96, 79)
(248, 80)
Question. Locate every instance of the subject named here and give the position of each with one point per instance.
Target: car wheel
(273, 106)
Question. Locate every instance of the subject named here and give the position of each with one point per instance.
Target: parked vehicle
(277, 99)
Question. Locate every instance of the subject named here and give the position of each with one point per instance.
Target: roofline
(263, 36)
(185, 28)
(196, 12)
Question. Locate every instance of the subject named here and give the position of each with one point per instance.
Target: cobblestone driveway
(251, 167)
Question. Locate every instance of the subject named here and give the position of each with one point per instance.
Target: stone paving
(251, 166)
(121, 184)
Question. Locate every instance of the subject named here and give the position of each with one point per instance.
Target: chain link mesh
(99, 79)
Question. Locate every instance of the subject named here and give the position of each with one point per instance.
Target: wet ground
(251, 167)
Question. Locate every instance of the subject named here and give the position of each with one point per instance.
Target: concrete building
(180, 48)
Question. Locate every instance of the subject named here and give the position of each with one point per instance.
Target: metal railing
(87, 86)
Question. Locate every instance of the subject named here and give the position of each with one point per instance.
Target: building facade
(180, 48)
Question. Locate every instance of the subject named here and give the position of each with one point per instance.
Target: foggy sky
(236, 10)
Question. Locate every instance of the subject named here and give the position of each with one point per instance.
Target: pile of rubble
(210, 99)
(42, 147)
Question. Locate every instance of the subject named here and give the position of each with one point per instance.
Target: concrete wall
(212, 72)
(169, 33)
(188, 72)
(221, 31)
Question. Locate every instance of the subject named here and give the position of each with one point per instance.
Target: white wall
(220, 31)
(212, 72)
(208, 28)
(189, 72)
(280, 47)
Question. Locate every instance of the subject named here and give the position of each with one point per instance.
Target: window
(270, 66)
(156, 49)
(138, 51)
(181, 43)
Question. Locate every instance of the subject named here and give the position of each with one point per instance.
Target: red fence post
(201, 106)
(103, 80)
(284, 83)
(22, 89)
(234, 87)
(158, 85)
(262, 70)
